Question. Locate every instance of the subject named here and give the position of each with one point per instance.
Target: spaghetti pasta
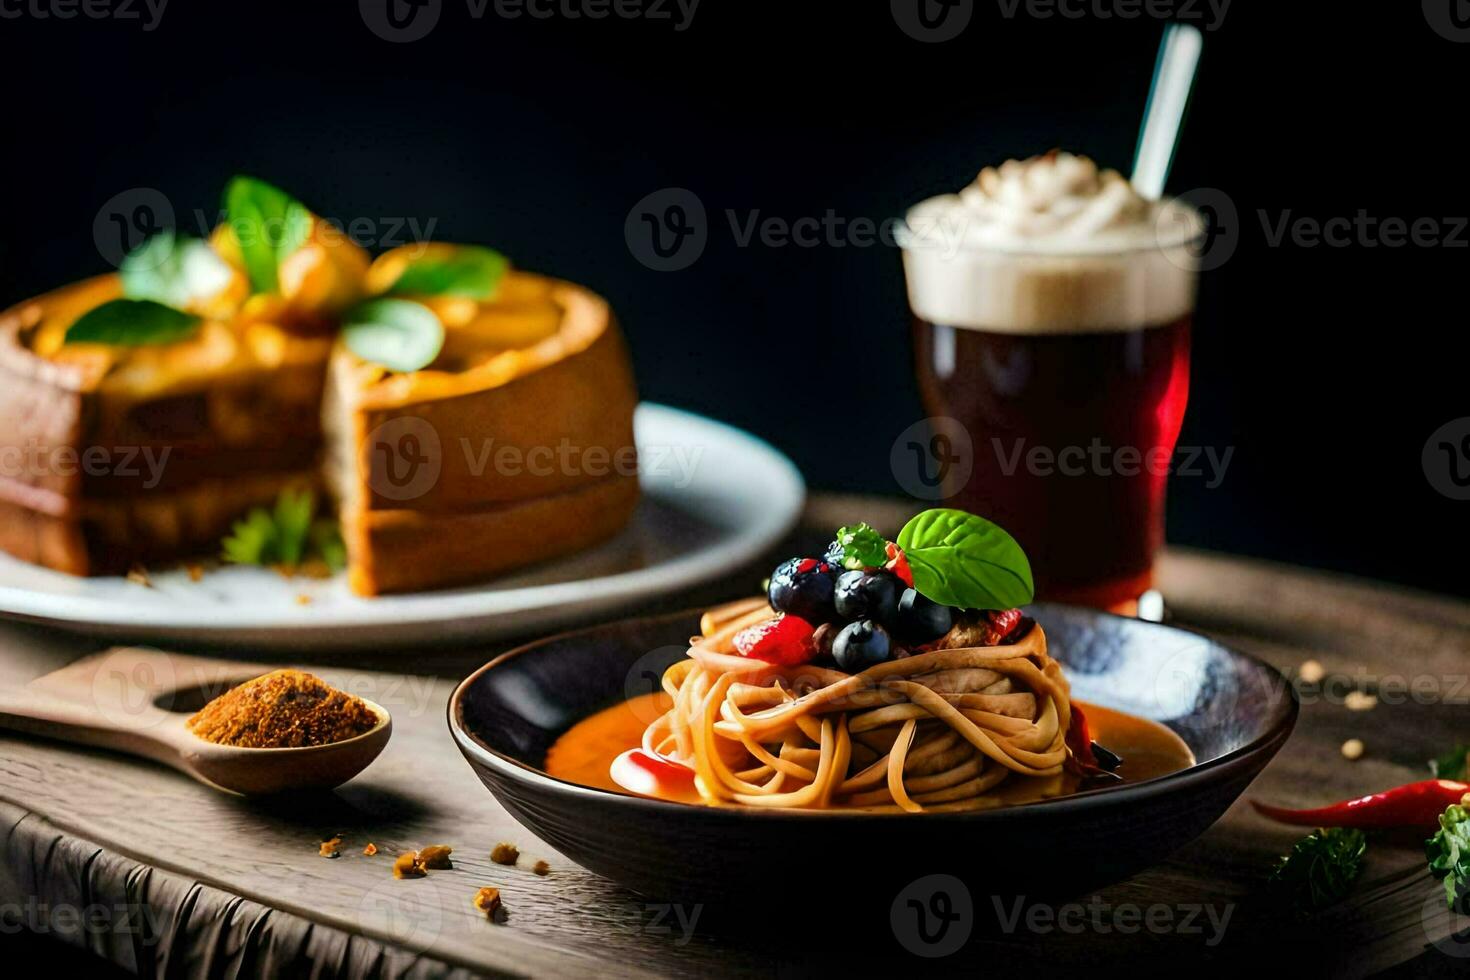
(935, 731)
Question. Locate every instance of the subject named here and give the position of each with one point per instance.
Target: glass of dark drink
(1051, 318)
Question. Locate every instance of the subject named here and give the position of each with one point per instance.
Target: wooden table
(162, 875)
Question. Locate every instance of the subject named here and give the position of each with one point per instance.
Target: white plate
(714, 498)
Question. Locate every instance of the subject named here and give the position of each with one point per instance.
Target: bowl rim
(476, 752)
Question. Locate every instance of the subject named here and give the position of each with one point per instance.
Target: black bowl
(1232, 710)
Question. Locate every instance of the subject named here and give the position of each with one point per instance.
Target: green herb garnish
(1448, 852)
(862, 546)
(281, 535)
(131, 322)
(326, 543)
(965, 561)
(269, 226)
(1451, 765)
(469, 270)
(174, 270)
(399, 334)
(1319, 870)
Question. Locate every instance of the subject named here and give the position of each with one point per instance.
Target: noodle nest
(936, 731)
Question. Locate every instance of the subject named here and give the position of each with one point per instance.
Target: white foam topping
(1050, 244)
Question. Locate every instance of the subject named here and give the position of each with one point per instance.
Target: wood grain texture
(1205, 901)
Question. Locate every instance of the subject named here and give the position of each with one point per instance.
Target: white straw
(1167, 98)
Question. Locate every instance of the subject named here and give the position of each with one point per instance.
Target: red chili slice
(787, 640)
(898, 564)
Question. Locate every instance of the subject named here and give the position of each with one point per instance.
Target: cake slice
(112, 456)
(514, 445)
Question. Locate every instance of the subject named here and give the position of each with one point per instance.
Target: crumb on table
(436, 857)
(1311, 672)
(487, 900)
(329, 848)
(541, 868)
(407, 865)
(370, 849)
(504, 853)
(1352, 749)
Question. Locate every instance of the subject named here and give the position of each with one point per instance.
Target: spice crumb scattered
(138, 575)
(1352, 749)
(487, 900)
(541, 868)
(302, 599)
(1311, 672)
(282, 709)
(329, 848)
(370, 849)
(504, 853)
(314, 568)
(407, 866)
(436, 857)
(195, 570)
(1359, 700)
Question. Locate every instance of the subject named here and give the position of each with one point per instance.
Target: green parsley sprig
(286, 535)
(1319, 871)
(1448, 852)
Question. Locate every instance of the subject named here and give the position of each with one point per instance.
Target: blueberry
(920, 620)
(868, 595)
(861, 645)
(803, 587)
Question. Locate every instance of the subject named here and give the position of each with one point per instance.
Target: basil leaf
(269, 226)
(173, 269)
(469, 270)
(961, 560)
(130, 322)
(397, 333)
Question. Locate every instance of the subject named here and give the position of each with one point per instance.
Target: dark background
(1327, 368)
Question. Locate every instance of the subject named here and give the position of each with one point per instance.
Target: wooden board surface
(1201, 905)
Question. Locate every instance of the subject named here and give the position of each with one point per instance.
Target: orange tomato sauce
(585, 753)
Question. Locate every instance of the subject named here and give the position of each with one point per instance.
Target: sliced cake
(514, 444)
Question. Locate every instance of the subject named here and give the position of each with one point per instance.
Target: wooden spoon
(111, 700)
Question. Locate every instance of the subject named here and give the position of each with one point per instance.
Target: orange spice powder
(282, 709)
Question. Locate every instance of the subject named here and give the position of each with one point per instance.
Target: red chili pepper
(1415, 805)
(1081, 759)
